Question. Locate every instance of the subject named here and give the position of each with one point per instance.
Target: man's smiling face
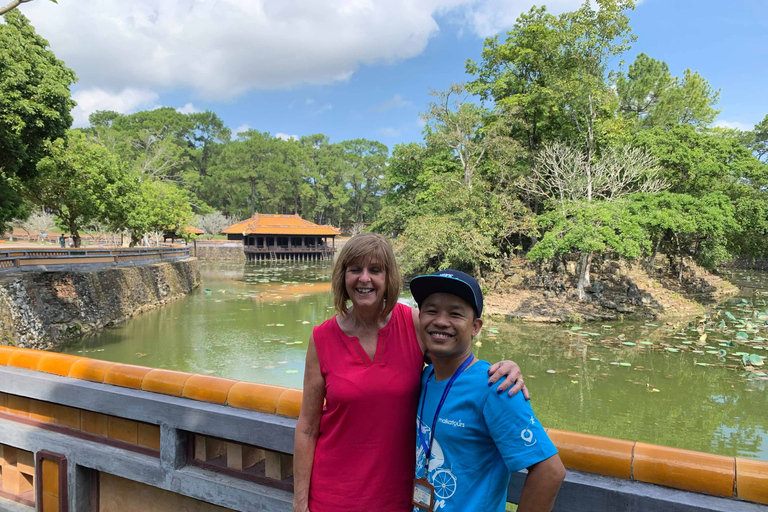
(448, 324)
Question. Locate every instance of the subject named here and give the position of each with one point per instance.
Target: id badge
(423, 494)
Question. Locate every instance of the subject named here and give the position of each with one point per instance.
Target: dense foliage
(576, 158)
(34, 107)
(552, 149)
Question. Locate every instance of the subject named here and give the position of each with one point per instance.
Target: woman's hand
(508, 373)
(300, 505)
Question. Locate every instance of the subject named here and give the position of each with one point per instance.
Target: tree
(39, 221)
(78, 181)
(563, 173)
(650, 96)
(589, 228)
(150, 207)
(34, 107)
(687, 225)
(463, 127)
(252, 162)
(214, 223)
(566, 176)
(697, 162)
(551, 74)
(366, 162)
(757, 140)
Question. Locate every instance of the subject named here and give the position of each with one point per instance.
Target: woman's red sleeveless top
(365, 454)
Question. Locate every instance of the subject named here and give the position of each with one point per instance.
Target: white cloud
(125, 102)
(223, 48)
(489, 17)
(242, 128)
(324, 108)
(309, 101)
(735, 125)
(285, 136)
(394, 103)
(187, 109)
(389, 132)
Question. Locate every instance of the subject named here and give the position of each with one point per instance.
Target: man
(470, 438)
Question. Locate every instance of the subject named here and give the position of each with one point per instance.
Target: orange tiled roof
(194, 230)
(265, 224)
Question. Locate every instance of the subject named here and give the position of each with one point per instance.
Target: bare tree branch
(564, 174)
(11, 6)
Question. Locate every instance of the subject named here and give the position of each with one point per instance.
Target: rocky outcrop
(547, 292)
(45, 309)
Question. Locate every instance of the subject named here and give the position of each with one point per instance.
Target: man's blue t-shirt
(481, 438)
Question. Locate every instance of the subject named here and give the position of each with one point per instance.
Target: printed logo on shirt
(452, 423)
(527, 434)
(440, 470)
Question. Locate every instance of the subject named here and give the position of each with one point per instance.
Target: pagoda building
(266, 236)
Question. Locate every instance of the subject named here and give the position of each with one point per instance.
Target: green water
(653, 382)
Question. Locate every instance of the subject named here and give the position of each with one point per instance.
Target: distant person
(354, 439)
(470, 439)
(62, 241)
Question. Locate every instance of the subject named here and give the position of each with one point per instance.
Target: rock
(608, 304)
(596, 288)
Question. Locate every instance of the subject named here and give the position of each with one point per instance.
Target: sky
(356, 68)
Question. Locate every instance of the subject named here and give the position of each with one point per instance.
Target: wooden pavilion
(267, 236)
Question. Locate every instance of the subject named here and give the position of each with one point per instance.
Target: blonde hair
(359, 249)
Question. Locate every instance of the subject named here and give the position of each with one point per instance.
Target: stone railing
(81, 434)
(34, 259)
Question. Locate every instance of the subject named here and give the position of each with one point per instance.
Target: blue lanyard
(428, 447)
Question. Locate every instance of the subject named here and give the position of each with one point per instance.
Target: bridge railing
(24, 257)
(112, 432)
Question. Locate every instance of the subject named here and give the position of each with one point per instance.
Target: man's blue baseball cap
(454, 282)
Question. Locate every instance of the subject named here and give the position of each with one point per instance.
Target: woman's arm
(307, 428)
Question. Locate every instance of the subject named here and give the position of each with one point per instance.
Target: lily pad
(625, 364)
(628, 343)
(741, 335)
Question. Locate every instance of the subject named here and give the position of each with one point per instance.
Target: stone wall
(45, 309)
(217, 253)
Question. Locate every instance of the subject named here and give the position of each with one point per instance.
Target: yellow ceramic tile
(94, 423)
(149, 436)
(123, 430)
(66, 416)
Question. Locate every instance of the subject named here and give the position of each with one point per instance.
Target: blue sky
(356, 68)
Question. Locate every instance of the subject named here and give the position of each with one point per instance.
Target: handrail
(24, 257)
(730, 477)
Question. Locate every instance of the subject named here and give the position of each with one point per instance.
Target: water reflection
(662, 383)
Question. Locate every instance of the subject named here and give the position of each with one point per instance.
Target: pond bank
(532, 292)
(43, 310)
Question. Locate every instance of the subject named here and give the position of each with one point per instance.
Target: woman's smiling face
(366, 283)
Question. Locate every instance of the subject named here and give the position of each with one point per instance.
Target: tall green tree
(551, 73)
(366, 162)
(34, 107)
(78, 181)
(650, 96)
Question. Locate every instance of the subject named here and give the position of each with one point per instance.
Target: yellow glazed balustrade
(670, 467)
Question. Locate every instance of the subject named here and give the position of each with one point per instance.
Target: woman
(355, 437)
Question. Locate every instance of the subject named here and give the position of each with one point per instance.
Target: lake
(692, 383)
